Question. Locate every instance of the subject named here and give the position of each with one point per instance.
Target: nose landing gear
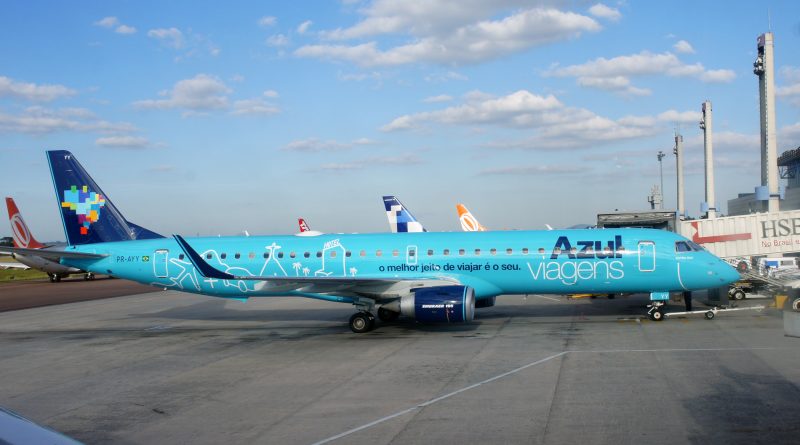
(656, 311)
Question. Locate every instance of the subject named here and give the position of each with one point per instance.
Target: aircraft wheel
(796, 305)
(58, 278)
(710, 315)
(657, 315)
(52, 277)
(738, 294)
(611, 296)
(387, 315)
(362, 322)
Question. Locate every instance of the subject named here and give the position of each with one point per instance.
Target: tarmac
(168, 367)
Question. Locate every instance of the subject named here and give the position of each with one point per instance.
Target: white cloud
(445, 77)
(791, 91)
(553, 124)
(613, 74)
(171, 37)
(267, 21)
(605, 12)
(107, 22)
(683, 47)
(277, 40)
(39, 120)
(469, 43)
(32, 92)
(303, 27)
(270, 93)
(113, 22)
(255, 106)
(315, 145)
(200, 93)
(125, 29)
(122, 142)
(512, 109)
(438, 99)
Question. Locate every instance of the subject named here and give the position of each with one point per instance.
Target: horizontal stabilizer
(52, 255)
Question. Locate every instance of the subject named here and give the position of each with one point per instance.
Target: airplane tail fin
(88, 214)
(303, 226)
(468, 222)
(400, 219)
(19, 230)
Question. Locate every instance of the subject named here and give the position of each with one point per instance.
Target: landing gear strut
(361, 322)
(55, 278)
(656, 311)
(88, 276)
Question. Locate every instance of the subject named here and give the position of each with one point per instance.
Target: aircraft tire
(387, 315)
(657, 315)
(738, 294)
(362, 322)
(709, 315)
(52, 277)
(796, 305)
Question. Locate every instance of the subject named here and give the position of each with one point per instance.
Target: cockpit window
(688, 246)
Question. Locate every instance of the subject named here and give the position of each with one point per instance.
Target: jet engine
(438, 304)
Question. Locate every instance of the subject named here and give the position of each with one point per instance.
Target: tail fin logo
(85, 204)
(22, 236)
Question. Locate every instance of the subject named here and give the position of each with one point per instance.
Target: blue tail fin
(400, 219)
(87, 213)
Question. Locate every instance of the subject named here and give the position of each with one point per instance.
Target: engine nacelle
(438, 304)
(485, 302)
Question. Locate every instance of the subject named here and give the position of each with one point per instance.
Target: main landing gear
(55, 278)
(656, 311)
(88, 276)
(362, 321)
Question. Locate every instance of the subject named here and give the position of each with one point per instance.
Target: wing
(383, 288)
(52, 255)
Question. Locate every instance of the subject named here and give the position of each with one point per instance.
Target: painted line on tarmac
(438, 399)
(521, 368)
(542, 296)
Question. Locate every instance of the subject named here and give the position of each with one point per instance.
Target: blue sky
(202, 117)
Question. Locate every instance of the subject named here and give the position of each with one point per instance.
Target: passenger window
(251, 255)
(573, 251)
(524, 250)
(333, 254)
(378, 252)
(223, 255)
(291, 254)
(208, 256)
(493, 251)
(348, 254)
(237, 255)
(541, 250)
(556, 251)
(180, 257)
(477, 252)
(306, 254)
(412, 253)
(446, 252)
(280, 254)
(266, 255)
(395, 253)
(319, 254)
(461, 252)
(509, 251)
(430, 252)
(363, 253)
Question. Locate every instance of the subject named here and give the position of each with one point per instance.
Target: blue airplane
(429, 276)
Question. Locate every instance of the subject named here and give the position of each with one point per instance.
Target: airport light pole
(660, 156)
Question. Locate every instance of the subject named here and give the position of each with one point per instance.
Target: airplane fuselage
(492, 263)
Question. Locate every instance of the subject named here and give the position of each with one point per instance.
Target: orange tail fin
(19, 230)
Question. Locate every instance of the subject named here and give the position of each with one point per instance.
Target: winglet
(206, 270)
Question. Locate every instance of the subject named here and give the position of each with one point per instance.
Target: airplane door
(647, 256)
(411, 255)
(160, 258)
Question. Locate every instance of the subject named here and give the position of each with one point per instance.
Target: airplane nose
(727, 273)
